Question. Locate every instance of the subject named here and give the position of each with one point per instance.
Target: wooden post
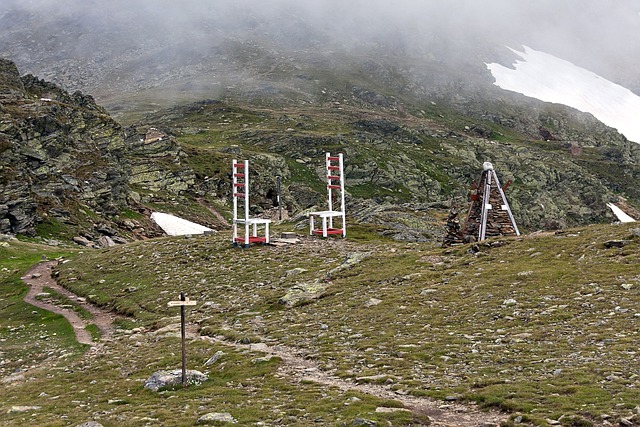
(182, 303)
(183, 336)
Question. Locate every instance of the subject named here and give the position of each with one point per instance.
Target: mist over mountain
(292, 51)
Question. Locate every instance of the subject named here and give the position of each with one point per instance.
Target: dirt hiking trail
(39, 276)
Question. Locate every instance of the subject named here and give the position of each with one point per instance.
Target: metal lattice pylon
(240, 174)
(334, 167)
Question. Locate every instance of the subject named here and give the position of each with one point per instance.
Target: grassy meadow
(543, 328)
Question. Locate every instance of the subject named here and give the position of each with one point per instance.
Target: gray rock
(82, 241)
(614, 244)
(223, 417)
(90, 424)
(294, 271)
(364, 422)
(213, 359)
(372, 302)
(303, 293)
(163, 379)
(23, 409)
(106, 242)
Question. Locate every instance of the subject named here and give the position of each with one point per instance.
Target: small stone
(627, 286)
(264, 359)
(626, 422)
(294, 271)
(372, 302)
(259, 347)
(82, 241)
(36, 275)
(614, 244)
(222, 417)
(90, 424)
(22, 409)
(162, 379)
(385, 410)
(363, 422)
(213, 359)
(372, 378)
(553, 422)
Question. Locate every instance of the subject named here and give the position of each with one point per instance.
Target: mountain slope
(403, 170)
(80, 170)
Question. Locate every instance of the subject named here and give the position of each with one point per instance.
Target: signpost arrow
(182, 304)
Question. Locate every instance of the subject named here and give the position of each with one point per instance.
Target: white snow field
(551, 79)
(622, 215)
(176, 226)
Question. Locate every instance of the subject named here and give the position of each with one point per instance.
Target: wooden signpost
(182, 303)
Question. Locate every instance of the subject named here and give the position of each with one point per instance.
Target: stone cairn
(453, 230)
(489, 213)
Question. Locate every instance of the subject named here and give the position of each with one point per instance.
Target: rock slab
(163, 379)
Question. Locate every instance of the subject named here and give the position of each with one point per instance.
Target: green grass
(29, 336)
(94, 331)
(541, 328)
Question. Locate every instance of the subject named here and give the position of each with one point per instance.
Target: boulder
(163, 379)
(106, 242)
(303, 293)
(82, 241)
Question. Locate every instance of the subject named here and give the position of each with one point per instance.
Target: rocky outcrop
(155, 162)
(64, 162)
(57, 152)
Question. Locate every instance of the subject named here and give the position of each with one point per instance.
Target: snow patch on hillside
(551, 79)
(176, 226)
(620, 214)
